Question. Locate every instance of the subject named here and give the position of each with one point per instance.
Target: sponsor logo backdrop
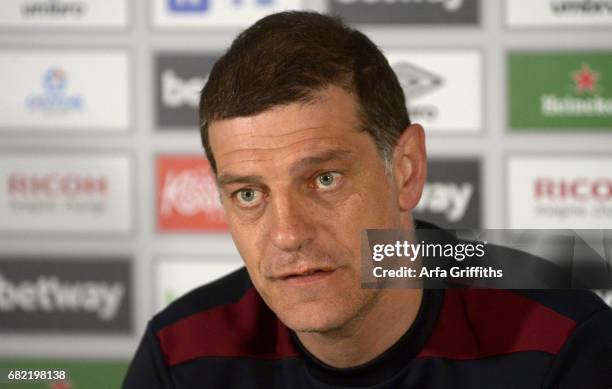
(179, 79)
(187, 196)
(570, 90)
(59, 193)
(462, 12)
(176, 276)
(443, 88)
(215, 13)
(566, 13)
(58, 295)
(100, 152)
(550, 192)
(63, 13)
(55, 90)
(451, 197)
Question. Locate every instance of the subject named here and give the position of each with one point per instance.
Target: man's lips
(310, 273)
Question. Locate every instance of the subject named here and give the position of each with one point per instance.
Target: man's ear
(410, 166)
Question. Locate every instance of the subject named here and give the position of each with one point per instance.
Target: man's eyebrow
(226, 179)
(325, 156)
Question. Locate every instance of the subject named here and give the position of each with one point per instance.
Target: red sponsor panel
(187, 196)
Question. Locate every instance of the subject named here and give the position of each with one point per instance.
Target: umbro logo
(416, 81)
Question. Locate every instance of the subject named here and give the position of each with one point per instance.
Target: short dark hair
(288, 57)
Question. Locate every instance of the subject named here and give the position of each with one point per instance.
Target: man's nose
(291, 223)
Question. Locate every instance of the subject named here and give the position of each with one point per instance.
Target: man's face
(299, 183)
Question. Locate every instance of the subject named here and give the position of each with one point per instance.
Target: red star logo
(586, 79)
(61, 385)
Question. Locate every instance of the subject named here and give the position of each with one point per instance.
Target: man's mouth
(307, 275)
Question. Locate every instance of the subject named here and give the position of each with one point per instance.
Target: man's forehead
(291, 157)
(286, 129)
(332, 107)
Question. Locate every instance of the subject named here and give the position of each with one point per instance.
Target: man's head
(306, 128)
(287, 58)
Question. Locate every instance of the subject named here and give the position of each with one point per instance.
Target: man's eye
(248, 197)
(328, 180)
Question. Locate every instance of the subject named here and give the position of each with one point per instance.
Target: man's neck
(368, 335)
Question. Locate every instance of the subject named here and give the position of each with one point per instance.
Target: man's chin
(314, 317)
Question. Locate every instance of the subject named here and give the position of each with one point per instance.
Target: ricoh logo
(580, 189)
(53, 8)
(551, 192)
(55, 98)
(71, 192)
(68, 192)
(580, 198)
(447, 5)
(55, 185)
(178, 92)
(48, 293)
(74, 193)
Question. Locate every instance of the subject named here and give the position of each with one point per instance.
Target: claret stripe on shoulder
(246, 328)
(479, 323)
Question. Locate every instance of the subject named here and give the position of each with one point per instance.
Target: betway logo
(56, 184)
(450, 199)
(579, 189)
(49, 294)
(177, 91)
(448, 5)
(189, 192)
